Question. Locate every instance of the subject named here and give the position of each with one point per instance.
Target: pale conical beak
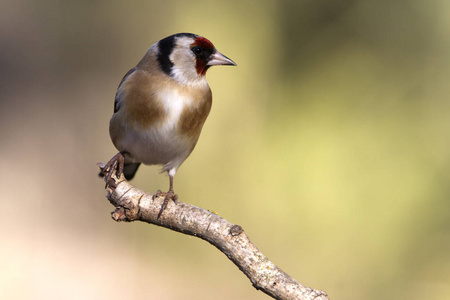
(218, 59)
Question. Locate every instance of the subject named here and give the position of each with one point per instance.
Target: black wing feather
(116, 99)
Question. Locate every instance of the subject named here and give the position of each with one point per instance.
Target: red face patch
(202, 49)
(203, 43)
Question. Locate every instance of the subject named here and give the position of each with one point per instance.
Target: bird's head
(186, 57)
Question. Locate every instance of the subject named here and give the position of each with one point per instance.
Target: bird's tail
(129, 170)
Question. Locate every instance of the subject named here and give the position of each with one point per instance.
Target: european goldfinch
(160, 107)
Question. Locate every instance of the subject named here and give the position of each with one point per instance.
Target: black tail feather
(130, 169)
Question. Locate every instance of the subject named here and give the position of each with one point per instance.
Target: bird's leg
(167, 196)
(114, 164)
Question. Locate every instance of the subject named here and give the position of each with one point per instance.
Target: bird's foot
(115, 164)
(170, 195)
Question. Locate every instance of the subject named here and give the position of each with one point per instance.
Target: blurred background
(329, 144)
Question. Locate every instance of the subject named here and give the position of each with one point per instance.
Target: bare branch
(133, 204)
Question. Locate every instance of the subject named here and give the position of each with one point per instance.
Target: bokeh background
(329, 144)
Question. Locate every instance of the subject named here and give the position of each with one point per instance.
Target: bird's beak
(218, 59)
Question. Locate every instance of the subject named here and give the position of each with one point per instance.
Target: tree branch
(133, 204)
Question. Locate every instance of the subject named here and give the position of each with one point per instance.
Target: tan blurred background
(329, 144)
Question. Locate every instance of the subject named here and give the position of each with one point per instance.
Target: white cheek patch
(184, 72)
(184, 62)
(182, 77)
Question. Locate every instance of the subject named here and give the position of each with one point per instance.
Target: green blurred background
(329, 144)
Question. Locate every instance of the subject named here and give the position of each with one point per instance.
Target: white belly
(161, 144)
(157, 146)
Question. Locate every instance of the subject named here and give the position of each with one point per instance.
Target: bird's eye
(196, 50)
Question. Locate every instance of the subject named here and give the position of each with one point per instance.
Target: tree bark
(133, 204)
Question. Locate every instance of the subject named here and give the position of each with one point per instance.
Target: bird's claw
(114, 164)
(170, 195)
(158, 193)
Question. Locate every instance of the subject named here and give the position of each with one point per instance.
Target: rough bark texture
(133, 204)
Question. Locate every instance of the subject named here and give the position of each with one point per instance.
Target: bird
(160, 108)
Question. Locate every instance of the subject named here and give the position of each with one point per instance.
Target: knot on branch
(119, 214)
(236, 230)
